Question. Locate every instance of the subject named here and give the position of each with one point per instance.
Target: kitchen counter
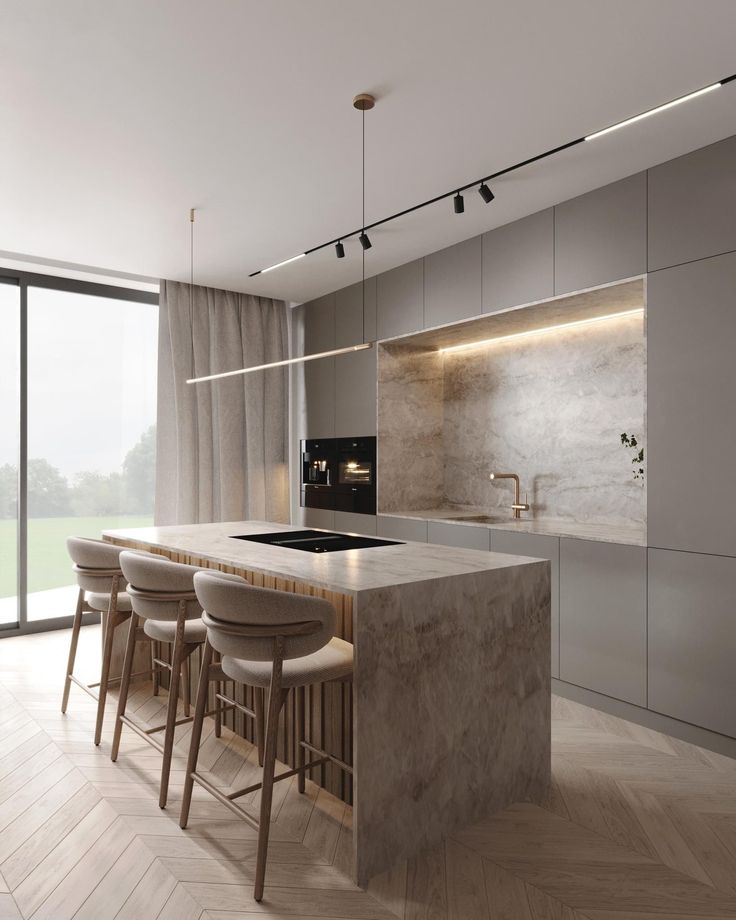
(633, 535)
(449, 720)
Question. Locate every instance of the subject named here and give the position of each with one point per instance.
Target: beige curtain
(222, 446)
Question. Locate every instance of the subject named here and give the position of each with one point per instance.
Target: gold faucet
(518, 505)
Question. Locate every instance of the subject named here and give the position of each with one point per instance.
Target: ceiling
(118, 117)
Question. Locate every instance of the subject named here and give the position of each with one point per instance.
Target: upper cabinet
(518, 262)
(692, 206)
(691, 381)
(355, 394)
(452, 283)
(400, 300)
(319, 325)
(601, 236)
(355, 314)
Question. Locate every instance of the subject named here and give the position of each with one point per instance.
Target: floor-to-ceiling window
(78, 413)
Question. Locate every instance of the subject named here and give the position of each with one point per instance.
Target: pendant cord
(363, 226)
(191, 279)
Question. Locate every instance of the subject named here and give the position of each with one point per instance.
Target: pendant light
(363, 102)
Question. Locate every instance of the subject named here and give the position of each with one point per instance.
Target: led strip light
(541, 331)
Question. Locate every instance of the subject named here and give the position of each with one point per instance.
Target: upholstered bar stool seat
(195, 632)
(102, 601)
(332, 662)
(165, 609)
(101, 589)
(269, 639)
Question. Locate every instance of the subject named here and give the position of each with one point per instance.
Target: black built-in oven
(339, 474)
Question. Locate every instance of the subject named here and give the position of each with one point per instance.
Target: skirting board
(693, 734)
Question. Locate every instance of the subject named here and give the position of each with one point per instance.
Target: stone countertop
(633, 535)
(347, 572)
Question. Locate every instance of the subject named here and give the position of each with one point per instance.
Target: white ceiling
(119, 116)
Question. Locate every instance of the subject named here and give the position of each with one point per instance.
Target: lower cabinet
(692, 638)
(355, 523)
(603, 618)
(540, 547)
(460, 535)
(396, 528)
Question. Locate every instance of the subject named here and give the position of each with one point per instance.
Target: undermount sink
(482, 519)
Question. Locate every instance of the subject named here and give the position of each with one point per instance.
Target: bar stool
(101, 589)
(269, 639)
(162, 595)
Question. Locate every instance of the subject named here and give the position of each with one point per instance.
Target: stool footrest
(289, 773)
(224, 800)
(320, 753)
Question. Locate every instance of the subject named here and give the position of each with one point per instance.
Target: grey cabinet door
(452, 282)
(692, 206)
(519, 262)
(319, 325)
(396, 528)
(540, 547)
(355, 523)
(603, 598)
(601, 236)
(691, 381)
(316, 517)
(352, 324)
(319, 398)
(461, 535)
(400, 300)
(692, 638)
(355, 394)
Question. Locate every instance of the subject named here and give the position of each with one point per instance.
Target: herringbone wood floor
(637, 826)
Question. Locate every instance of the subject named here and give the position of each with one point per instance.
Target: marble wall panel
(550, 408)
(410, 420)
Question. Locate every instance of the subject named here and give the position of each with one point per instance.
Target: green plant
(631, 442)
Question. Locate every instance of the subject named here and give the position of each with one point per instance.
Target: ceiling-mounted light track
(280, 264)
(264, 367)
(501, 172)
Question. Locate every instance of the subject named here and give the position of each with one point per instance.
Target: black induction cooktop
(315, 541)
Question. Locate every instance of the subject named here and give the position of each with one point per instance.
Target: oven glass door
(355, 472)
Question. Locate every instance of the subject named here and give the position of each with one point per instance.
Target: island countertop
(349, 571)
(448, 718)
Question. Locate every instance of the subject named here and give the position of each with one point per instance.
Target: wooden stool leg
(112, 622)
(77, 625)
(300, 725)
(276, 699)
(200, 708)
(176, 663)
(155, 653)
(186, 685)
(258, 708)
(218, 715)
(124, 684)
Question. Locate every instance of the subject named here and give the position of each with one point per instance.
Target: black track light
(485, 193)
(459, 203)
(339, 250)
(364, 241)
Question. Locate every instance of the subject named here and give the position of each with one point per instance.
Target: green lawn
(48, 563)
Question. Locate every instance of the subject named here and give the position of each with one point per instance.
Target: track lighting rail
(483, 189)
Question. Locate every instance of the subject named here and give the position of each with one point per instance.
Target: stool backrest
(157, 586)
(96, 564)
(244, 621)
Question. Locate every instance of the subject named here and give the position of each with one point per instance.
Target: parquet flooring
(636, 826)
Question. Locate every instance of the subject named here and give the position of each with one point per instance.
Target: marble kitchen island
(449, 717)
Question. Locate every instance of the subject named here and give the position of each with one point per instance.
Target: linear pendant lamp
(264, 367)
(485, 192)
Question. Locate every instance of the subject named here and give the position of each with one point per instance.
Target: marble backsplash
(550, 408)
